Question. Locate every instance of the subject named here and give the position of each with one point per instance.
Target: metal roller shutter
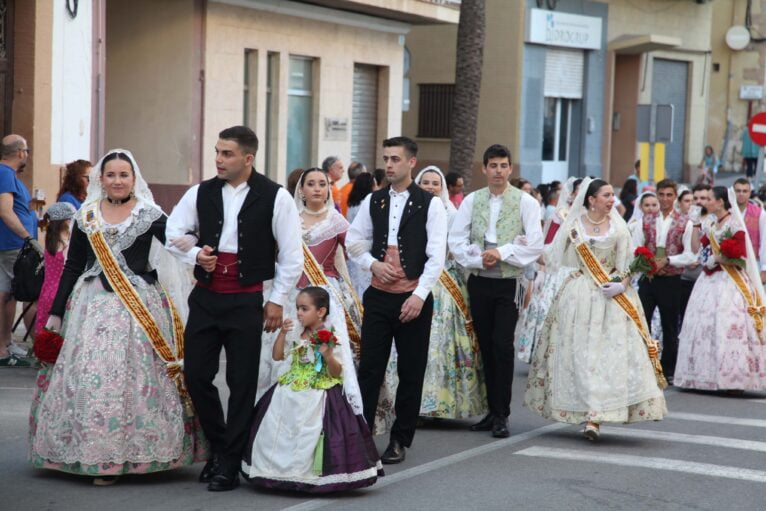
(563, 73)
(364, 115)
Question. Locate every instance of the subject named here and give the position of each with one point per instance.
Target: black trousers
(233, 322)
(494, 315)
(380, 327)
(664, 293)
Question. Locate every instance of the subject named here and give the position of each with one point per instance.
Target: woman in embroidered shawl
(109, 405)
(453, 387)
(592, 364)
(721, 346)
(324, 236)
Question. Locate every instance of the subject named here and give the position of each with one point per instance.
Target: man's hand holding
(385, 272)
(411, 308)
(206, 259)
(490, 257)
(272, 317)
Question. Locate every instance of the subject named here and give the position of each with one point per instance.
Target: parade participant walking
(668, 235)
(114, 402)
(495, 234)
(248, 232)
(697, 214)
(406, 229)
(58, 230)
(721, 345)
(453, 387)
(323, 231)
(593, 362)
(755, 221)
(308, 433)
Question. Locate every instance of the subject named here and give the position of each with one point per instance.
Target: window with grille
(435, 111)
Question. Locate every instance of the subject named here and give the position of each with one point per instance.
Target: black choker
(118, 201)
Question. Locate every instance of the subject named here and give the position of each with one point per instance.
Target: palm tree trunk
(465, 111)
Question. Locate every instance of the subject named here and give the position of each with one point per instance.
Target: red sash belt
(225, 279)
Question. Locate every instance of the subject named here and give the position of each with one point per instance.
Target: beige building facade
(732, 71)
(312, 78)
(561, 87)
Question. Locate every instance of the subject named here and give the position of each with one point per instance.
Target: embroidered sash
(138, 310)
(755, 307)
(601, 277)
(316, 277)
(453, 289)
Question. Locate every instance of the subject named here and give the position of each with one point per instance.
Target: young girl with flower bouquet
(721, 345)
(308, 433)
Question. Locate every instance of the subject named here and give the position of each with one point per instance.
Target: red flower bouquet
(733, 248)
(324, 336)
(47, 346)
(643, 262)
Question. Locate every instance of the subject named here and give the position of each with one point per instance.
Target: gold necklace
(595, 224)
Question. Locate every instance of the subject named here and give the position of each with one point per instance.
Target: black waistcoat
(257, 246)
(412, 235)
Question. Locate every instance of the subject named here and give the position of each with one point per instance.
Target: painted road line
(627, 460)
(437, 464)
(718, 419)
(712, 441)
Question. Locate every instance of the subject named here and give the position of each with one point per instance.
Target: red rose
(734, 247)
(47, 346)
(643, 251)
(324, 336)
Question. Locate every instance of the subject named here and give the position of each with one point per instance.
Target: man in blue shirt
(18, 224)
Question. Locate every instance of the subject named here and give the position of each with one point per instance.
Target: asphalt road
(710, 453)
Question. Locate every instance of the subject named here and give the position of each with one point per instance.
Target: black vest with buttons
(412, 236)
(255, 239)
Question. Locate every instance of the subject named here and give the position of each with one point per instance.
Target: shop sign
(555, 28)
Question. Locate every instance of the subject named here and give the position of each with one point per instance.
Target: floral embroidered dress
(591, 363)
(305, 434)
(719, 346)
(108, 406)
(325, 240)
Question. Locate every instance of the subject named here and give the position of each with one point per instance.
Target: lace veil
(174, 276)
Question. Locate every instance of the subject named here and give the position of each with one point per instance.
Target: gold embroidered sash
(755, 307)
(601, 277)
(453, 289)
(139, 312)
(316, 276)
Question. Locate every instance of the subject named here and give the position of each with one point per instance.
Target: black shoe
(211, 468)
(224, 482)
(500, 428)
(484, 425)
(394, 453)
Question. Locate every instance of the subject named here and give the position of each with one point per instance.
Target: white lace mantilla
(119, 236)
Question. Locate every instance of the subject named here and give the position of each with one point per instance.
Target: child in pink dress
(59, 218)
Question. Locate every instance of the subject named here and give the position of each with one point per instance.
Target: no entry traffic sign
(757, 129)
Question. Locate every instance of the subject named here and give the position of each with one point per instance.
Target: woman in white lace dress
(591, 365)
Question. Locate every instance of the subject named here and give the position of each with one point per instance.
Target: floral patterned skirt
(108, 407)
(591, 357)
(719, 347)
(453, 387)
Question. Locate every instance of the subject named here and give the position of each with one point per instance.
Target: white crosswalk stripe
(718, 419)
(654, 463)
(713, 441)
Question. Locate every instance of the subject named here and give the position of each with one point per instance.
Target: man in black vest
(248, 231)
(407, 229)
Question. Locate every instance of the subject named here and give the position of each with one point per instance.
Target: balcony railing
(448, 3)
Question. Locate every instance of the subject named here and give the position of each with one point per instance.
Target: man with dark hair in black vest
(403, 230)
(248, 231)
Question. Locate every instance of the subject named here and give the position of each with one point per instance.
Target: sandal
(591, 431)
(104, 480)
